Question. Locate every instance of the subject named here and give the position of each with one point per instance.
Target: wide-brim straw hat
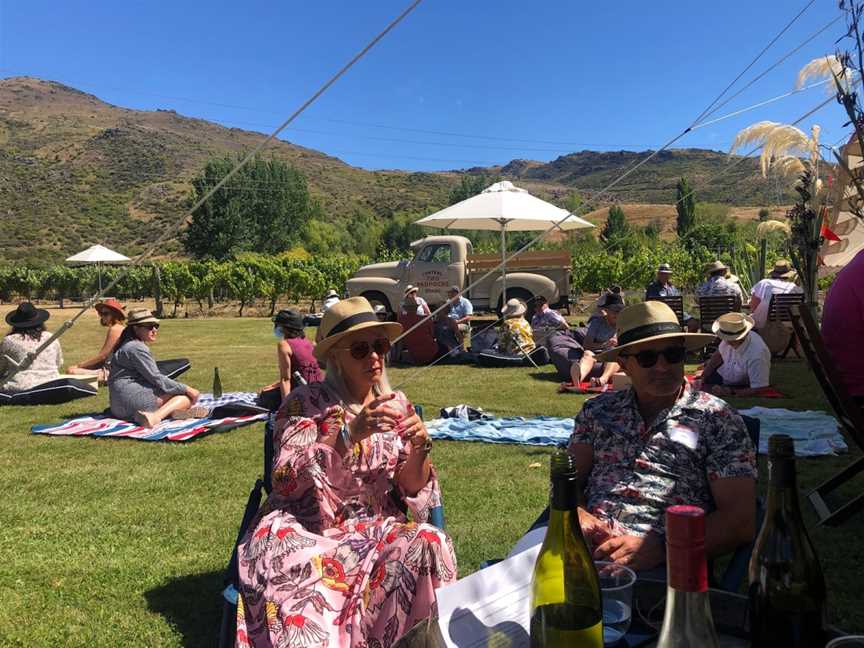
(346, 317)
(409, 289)
(714, 266)
(139, 316)
(513, 308)
(112, 305)
(649, 321)
(664, 267)
(26, 316)
(782, 270)
(330, 293)
(732, 326)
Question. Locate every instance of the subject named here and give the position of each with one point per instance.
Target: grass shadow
(545, 376)
(191, 604)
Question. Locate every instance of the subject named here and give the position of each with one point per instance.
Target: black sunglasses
(149, 326)
(648, 358)
(362, 348)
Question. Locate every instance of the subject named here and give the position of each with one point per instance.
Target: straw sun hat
(139, 316)
(732, 326)
(513, 308)
(714, 266)
(649, 321)
(346, 317)
(782, 270)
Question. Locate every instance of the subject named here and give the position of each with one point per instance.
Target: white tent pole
(503, 264)
(99, 274)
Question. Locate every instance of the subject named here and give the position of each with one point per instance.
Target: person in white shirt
(329, 299)
(414, 302)
(779, 282)
(741, 365)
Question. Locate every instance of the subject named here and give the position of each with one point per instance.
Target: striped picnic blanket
(168, 430)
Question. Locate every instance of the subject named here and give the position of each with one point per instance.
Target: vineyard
(266, 281)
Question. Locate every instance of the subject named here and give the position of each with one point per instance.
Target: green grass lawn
(122, 543)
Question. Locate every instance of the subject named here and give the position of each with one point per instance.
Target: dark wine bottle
(787, 588)
(217, 383)
(687, 620)
(566, 608)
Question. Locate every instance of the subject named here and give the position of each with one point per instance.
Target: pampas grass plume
(764, 229)
(820, 68)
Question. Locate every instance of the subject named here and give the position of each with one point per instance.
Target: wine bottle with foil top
(787, 588)
(566, 607)
(687, 620)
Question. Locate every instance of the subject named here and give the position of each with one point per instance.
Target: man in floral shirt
(657, 444)
(718, 282)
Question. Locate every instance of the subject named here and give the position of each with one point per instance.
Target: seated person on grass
(28, 334)
(546, 321)
(137, 390)
(599, 337)
(741, 365)
(660, 443)
(459, 312)
(112, 316)
(414, 303)
(514, 335)
(294, 355)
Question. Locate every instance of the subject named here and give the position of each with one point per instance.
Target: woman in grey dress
(138, 391)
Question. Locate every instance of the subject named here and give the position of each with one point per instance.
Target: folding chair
(676, 303)
(263, 486)
(849, 415)
(713, 306)
(779, 311)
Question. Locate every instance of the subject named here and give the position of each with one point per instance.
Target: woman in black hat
(295, 355)
(28, 332)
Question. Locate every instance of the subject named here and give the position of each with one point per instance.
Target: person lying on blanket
(137, 390)
(741, 365)
(112, 316)
(27, 334)
(660, 443)
(514, 335)
(331, 559)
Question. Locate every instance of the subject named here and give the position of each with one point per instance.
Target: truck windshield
(435, 254)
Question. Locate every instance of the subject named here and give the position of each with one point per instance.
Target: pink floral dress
(331, 560)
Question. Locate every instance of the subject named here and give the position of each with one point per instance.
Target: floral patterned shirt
(639, 470)
(515, 336)
(719, 286)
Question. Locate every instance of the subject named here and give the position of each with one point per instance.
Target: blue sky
(459, 83)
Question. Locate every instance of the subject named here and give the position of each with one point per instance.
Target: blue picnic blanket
(815, 433)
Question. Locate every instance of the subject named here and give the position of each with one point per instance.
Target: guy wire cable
(28, 360)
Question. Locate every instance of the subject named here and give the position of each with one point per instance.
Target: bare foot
(147, 419)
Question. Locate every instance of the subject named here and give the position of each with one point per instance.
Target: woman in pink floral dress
(331, 559)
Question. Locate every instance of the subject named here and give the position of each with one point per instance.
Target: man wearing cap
(111, 315)
(459, 313)
(741, 365)
(659, 443)
(780, 281)
(718, 283)
(662, 287)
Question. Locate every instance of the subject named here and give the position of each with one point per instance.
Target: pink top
(843, 324)
(303, 360)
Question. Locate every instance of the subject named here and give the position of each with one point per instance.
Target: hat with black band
(348, 316)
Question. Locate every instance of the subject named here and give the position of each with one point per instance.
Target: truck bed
(539, 259)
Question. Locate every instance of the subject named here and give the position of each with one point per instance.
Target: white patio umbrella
(100, 255)
(505, 207)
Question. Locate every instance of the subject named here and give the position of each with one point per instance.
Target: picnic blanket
(101, 425)
(815, 433)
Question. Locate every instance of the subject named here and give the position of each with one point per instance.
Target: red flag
(828, 235)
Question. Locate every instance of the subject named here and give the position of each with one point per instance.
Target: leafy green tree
(400, 232)
(63, 281)
(263, 208)
(616, 226)
(685, 205)
(321, 238)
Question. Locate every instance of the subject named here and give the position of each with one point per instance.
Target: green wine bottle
(217, 383)
(787, 587)
(566, 607)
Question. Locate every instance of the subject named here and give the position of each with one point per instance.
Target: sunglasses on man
(648, 358)
(149, 327)
(361, 349)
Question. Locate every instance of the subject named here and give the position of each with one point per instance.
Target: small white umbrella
(100, 255)
(505, 207)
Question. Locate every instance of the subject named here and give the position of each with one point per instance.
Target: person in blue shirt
(662, 287)
(459, 313)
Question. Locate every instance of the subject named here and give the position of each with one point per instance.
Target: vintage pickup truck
(443, 261)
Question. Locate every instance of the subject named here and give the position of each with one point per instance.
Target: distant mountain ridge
(75, 170)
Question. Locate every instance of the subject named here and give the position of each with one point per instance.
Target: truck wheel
(375, 298)
(526, 297)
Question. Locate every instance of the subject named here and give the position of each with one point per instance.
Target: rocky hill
(75, 170)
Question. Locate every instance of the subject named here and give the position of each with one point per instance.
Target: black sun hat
(289, 318)
(26, 316)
